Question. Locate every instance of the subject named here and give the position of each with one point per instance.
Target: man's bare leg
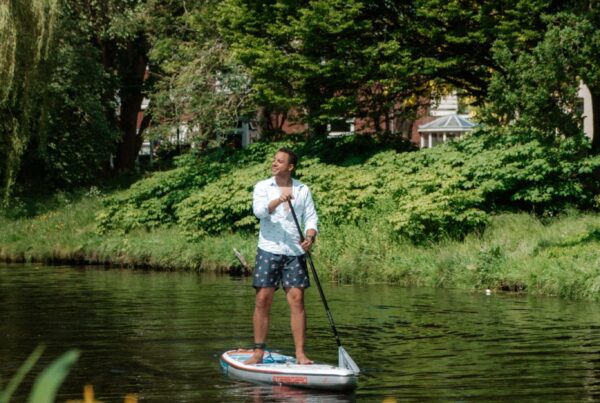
(295, 298)
(260, 321)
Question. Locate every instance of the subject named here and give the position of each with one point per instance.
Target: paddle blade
(345, 361)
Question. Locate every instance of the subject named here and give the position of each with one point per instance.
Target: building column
(430, 141)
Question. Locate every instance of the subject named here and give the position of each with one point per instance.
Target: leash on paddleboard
(344, 359)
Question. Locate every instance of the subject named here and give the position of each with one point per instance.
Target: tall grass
(516, 252)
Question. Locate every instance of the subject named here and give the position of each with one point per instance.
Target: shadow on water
(160, 335)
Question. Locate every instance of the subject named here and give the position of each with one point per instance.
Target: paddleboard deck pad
(279, 369)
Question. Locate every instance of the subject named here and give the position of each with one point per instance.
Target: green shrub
(341, 194)
(446, 191)
(151, 202)
(222, 205)
(450, 190)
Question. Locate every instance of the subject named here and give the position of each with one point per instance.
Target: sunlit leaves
(446, 191)
(162, 198)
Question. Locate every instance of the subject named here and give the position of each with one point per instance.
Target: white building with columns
(450, 125)
(444, 128)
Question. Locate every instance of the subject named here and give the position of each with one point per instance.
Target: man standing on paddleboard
(281, 256)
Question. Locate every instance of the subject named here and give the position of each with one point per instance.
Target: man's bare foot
(302, 359)
(257, 358)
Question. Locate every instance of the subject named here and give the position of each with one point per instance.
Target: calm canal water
(160, 335)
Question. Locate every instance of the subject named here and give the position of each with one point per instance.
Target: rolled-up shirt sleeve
(310, 213)
(260, 201)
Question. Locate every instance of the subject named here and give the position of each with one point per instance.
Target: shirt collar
(295, 182)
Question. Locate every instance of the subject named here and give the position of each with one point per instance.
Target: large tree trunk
(595, 119)
(135, 60)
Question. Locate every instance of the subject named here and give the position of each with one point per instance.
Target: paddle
(344, 359)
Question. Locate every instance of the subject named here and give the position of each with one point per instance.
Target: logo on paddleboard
(297, 380)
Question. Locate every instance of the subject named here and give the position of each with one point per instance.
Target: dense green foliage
(117, 31)
(425, 195)
(198, 81)
(72, 77)
(155, 201)
(76, 72)
(58, 101)
(307, 55)
(537, 90)
(373, 59)
(26, 43)
(455, 39)
(77, 141)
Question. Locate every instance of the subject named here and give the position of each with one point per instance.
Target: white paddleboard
(279, 369)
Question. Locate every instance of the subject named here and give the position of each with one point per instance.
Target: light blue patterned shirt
(278, 232)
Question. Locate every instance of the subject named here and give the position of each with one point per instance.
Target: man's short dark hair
(292, 157)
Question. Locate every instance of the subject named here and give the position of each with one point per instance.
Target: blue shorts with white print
(272, 270)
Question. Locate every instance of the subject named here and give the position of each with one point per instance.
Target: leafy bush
(151, 202)
(451, 189)
(222, 205)
(446, 191)
(341, 193)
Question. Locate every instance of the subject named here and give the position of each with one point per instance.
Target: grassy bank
(516, 252)
(68, 235)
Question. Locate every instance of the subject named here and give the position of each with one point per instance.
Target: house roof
(449, 123)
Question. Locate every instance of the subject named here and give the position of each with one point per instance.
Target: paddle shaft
(316, 278)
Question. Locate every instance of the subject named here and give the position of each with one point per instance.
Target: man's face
(281, 164)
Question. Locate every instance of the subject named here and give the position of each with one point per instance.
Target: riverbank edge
(122, 263)
(516, 252)
(79, 258)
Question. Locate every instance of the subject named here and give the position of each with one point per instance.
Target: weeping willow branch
(8, 45)
(26, 32)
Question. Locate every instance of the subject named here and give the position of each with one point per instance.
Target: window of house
(340, 127)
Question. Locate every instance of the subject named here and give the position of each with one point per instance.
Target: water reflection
(270, 393)
(160, 335)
